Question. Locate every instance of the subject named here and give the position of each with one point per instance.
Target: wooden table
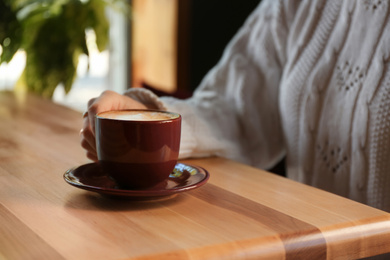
(241, 213)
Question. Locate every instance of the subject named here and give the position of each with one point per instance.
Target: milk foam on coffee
(138, 115)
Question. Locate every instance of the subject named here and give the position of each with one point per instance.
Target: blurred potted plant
(53, 35)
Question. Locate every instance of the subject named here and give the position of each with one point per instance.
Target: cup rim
(177, 115)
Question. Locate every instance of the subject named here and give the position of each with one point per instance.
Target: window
(101, 71)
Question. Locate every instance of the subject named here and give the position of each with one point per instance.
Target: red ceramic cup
(138, 148)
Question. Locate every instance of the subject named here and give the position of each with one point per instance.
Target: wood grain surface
(241, 213)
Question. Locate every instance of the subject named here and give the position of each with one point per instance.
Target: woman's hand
(108, 100)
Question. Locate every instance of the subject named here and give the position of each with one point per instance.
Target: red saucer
(91, 177)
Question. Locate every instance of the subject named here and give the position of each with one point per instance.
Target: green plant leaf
(10, 32)
(53, 34)
(98, 22)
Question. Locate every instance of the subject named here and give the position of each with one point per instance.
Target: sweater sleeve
(234, 112)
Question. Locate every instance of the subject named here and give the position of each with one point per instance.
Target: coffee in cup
(138, 148)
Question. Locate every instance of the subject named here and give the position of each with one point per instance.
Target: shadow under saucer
(91, 177)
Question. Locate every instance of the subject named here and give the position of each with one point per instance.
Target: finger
(90, 152)
(91, 101)
(85, 114)
(86, 144)
(92, 156)
(87, 140)
(87, 135)
(105, 102)
(102, 103)
(91, 122)
(110, 100)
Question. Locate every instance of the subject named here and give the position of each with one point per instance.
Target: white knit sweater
(308, 79)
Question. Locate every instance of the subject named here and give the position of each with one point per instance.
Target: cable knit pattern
(309, 79)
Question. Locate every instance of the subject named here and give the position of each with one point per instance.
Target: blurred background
(163, 45)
